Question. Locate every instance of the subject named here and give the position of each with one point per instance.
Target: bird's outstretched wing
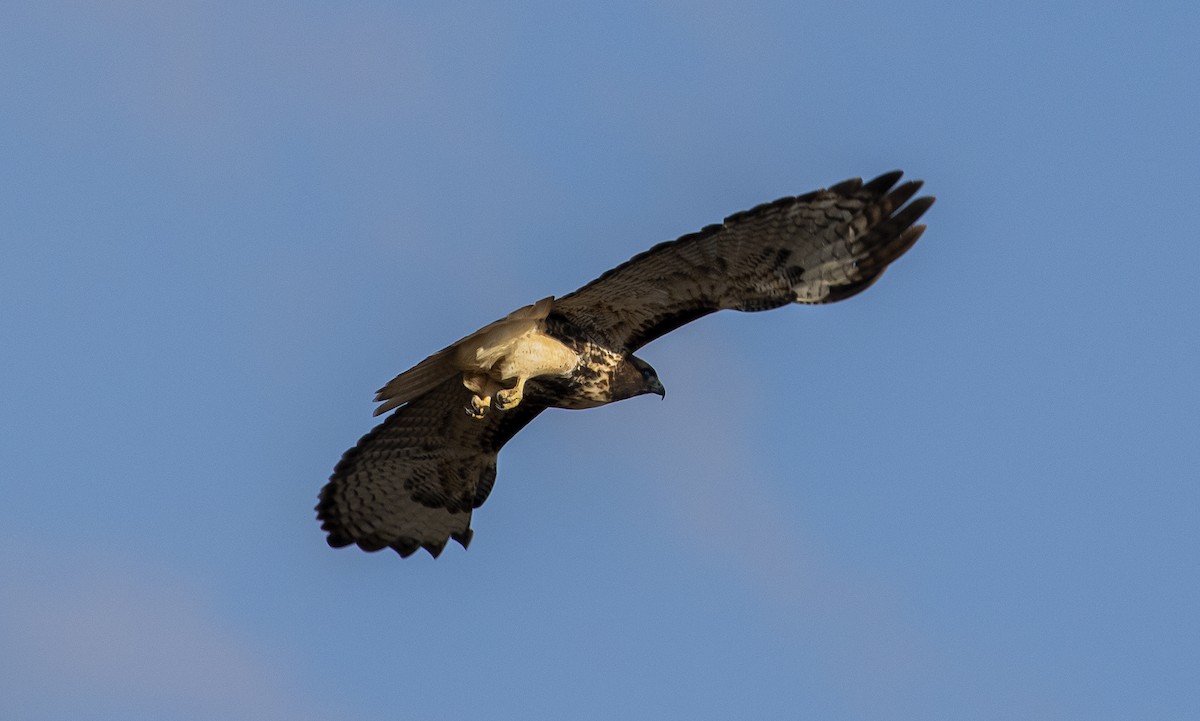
(413, 481)
(815, 248)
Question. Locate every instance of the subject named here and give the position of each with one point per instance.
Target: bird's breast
(589, 384)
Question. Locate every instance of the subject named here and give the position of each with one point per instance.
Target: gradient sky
(972, 492)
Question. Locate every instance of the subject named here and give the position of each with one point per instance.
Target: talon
(478, 407)
(507, 399)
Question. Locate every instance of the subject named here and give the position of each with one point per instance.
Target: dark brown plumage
(413, 481)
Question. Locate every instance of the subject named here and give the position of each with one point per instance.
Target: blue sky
(970, 492)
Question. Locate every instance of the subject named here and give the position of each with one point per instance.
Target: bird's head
(635, 377)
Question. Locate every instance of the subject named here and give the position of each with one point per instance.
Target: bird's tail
(416, 381)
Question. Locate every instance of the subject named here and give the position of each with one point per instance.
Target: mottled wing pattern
(413, 481)
(815, 248)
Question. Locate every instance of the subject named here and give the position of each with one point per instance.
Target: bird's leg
(481, 386)
(508, 398)
(478, 407)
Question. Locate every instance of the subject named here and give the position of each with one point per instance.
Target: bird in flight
(413, 481)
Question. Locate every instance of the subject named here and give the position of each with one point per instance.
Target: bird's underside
(413, 481)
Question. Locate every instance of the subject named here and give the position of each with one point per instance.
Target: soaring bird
(413, 481)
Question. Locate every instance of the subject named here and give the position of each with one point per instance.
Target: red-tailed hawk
(413, 481)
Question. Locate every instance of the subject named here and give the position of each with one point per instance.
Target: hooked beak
(657, 389)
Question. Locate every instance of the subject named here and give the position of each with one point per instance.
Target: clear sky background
(972, 492)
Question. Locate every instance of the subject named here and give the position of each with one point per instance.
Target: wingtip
(337, 541)
(463, 538)
(405, 546)
(848, 186)
(904, 192)
(881, 184)
(918, 207)
(435, 549)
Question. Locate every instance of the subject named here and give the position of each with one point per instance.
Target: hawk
(413, 481)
